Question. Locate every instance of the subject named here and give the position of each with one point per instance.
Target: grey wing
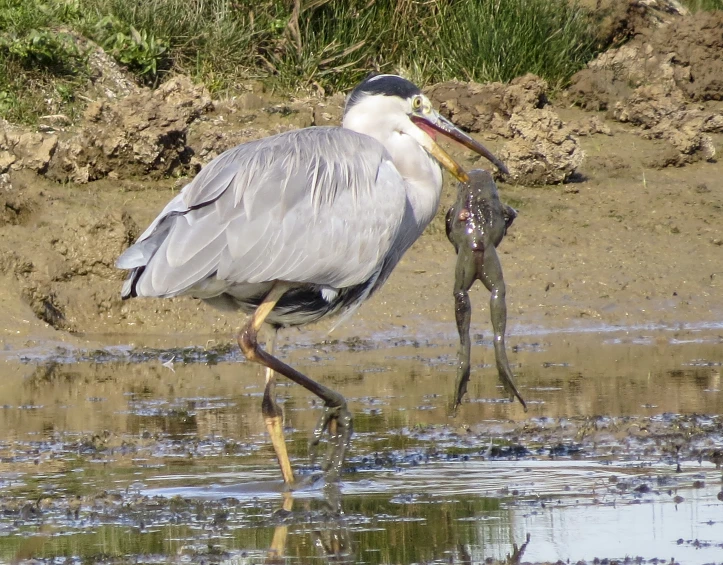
(319, 205)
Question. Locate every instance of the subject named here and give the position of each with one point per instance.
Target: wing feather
(191, 235)
(162, 279)
(319, 205)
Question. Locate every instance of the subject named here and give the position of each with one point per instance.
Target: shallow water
(124, 458)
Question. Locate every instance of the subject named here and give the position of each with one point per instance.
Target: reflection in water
(388, 389)
(329, 533)
(87, 450)
(374, 521)
(329, 536)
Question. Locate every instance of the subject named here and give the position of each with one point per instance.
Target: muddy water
(160, 455)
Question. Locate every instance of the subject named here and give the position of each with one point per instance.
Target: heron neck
(422, 177)
(421, 173)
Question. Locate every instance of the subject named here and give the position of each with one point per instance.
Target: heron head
(389, 101)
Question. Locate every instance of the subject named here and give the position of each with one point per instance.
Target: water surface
(129, 457)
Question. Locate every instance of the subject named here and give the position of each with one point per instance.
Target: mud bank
(616, 181)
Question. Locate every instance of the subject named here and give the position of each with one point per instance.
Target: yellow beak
(445, 159)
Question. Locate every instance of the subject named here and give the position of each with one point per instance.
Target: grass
(212, 40)
(483, 40)
(703, 5)
(512, 37)
(39, 61)
(293, 45)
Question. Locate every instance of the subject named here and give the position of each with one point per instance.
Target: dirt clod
(15, 205)
(24, 149)
(543, 150)
(658, 80)
(141, 134)
(488, 107)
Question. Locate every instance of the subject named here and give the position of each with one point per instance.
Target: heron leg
(277, 549)
(274, 418)
(491, 277)
(336, 410)
(464, 277)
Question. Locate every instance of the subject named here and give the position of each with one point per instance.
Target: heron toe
(337, 421)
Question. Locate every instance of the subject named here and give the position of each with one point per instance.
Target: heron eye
(416, 102)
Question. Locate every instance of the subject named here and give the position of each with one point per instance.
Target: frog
(475, 226)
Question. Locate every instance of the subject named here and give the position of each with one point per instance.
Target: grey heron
(302, 225)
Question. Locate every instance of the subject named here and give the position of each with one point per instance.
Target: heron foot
(337, 421)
